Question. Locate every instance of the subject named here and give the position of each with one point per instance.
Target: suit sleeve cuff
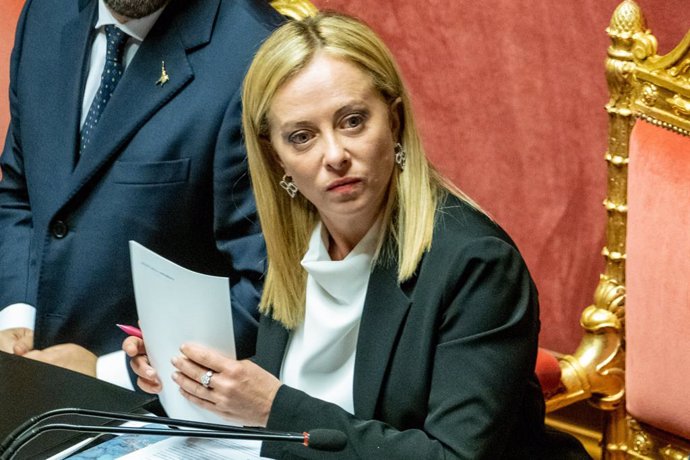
(286, 411)
(17, 315)
(113, 369)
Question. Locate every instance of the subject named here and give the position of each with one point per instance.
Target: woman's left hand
(240, 391)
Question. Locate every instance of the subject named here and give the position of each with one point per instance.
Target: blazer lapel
(385, 308)
(74, 49)
(137, 97)
(271, 344)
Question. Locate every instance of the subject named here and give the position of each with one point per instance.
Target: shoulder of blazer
(196, 21)
(458, 223)
(263, 12)
(460, 232)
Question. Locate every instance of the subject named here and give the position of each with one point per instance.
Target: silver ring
(206, 379)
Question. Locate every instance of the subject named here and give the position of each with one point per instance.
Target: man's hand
(17, 340)
(67, 355)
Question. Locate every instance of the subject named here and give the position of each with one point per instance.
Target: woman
(393, 309)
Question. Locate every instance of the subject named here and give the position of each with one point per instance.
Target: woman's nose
(335, 155)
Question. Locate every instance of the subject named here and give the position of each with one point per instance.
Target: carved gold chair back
(295, 9)
(637, 325)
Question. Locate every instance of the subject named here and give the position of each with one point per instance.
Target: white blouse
(320, 355)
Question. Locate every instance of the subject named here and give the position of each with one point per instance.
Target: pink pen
(130, 330)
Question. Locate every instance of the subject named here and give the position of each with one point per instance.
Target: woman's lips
(342, 183)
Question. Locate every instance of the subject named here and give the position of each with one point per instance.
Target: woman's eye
(300, 137)
(353, 121)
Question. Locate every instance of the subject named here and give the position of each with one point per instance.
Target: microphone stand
(322, 439)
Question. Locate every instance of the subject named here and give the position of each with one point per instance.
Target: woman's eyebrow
(355, 106)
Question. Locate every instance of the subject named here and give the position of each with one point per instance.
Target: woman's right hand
(148, 379)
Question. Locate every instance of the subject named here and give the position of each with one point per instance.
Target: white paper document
(198, 449)
(176, 305)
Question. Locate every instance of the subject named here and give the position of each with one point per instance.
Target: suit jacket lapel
(385, 308)
(137, 96)
(271, 344)
(75, 46)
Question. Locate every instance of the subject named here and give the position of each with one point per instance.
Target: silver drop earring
(289, 186)
(400, 156)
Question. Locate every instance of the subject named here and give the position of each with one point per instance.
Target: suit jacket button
(59, 229)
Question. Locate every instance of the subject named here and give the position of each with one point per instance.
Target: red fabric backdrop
(9, 12)
(509, 95)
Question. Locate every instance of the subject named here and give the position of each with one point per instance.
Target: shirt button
(59, 229)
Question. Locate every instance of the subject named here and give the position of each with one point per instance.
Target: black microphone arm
(321, 439)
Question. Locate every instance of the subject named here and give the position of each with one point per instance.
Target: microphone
(320, 439)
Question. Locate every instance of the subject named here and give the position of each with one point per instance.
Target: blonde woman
(394, 310)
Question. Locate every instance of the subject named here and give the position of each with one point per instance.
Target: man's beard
(135, 9)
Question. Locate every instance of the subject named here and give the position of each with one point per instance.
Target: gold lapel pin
(164, 75)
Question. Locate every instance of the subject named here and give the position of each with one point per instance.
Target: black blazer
(445, 362)
(166, 167)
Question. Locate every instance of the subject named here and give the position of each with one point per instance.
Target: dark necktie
(112, 71)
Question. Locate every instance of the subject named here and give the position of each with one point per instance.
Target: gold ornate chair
(633, 362)
(295, 9)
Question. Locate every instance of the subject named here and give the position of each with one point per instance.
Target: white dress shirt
(320, 355)
(111, 367)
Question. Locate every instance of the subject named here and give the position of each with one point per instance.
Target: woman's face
(334, 134)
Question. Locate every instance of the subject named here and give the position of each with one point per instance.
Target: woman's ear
(396, 115)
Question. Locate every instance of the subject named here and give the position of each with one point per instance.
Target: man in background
(125, 125)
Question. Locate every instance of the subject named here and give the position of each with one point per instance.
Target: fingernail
(175, 360)
(150, 373)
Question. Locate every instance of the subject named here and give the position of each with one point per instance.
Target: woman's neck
(341, 240)
(338, 249)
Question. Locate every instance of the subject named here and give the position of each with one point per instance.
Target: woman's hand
(148, 379)
(240, 391)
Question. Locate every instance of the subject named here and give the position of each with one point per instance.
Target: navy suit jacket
(444, 366)
(166, 167)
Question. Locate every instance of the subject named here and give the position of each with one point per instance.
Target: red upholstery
(658, 279)
(548, 371)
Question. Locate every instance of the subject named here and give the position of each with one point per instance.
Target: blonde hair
(287, 223)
